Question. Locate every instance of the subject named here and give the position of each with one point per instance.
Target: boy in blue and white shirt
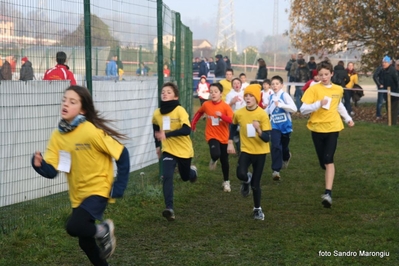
(279, 106)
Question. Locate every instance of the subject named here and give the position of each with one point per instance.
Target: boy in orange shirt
(219, 117)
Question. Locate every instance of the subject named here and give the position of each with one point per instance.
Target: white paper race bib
(215, 120)
(251, 132)
(165, 122)
(64, 164)
(327, 105)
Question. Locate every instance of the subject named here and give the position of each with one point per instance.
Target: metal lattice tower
(275, 18)
(226, 31)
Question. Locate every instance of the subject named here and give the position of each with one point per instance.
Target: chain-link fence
(92, 34)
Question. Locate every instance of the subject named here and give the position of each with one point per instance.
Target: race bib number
(279, 118)
(215, 120)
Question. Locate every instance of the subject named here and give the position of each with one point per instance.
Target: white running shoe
(258, 214)
(226, 186)
(276, 176)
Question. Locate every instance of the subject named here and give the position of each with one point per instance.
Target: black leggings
(82, 225)
(325, 145)
(219, 151)
(258, 163)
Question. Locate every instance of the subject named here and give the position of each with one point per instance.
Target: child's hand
(37, 161)
(323, 102)
(230, 148)
(256, 125)
(160, 135)
(158, 150)
(218, 113)
(234, 100)
(276, 103)
(351, 123)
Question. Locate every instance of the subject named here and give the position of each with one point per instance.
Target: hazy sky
(250, 15)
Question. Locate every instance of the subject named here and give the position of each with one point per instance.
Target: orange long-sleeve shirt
(216, 127)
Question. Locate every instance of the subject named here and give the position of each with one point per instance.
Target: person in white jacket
(279, 106)
(203, 89)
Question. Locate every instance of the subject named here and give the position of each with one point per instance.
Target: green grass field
(217, 228)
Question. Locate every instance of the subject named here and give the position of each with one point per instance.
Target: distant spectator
(300, 71)
(196, 63)
(262, 70)
(243, 79)
(60, 71)
(203, 68)
(288, 69)
(353, 79)
(315, 80)
(13, 63)
(120, 67)
(26, 72)
(111, 69)
(118, 63)
(390, 79)
(220, 70)
(288, 66)
(226, 59)
(226, 83)
(212, 66)
(203, 90)
(312, 66)
(166, 71)
(5, 71)
(379, 81)
(340, 76)
(142, 70)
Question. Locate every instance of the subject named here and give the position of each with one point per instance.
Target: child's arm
(225, 118)
(310, 108)
(263, 134)
(344, 113)
(156, 129)
(196, 118)
(230, 145)
(122, 177)
(41, 167)
(289, 106)
(185, 130)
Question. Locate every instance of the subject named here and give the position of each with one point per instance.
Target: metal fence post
(87, 22)
(160, 58)
(389, 107)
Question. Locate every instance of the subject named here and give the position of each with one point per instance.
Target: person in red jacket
(316, 79)
(60, 71)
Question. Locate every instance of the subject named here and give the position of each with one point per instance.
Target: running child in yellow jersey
(172, 128)
(323, 102)
(254, 135)
(83, 147)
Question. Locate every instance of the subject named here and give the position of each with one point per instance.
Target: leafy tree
(99, 31)
(369, 27)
